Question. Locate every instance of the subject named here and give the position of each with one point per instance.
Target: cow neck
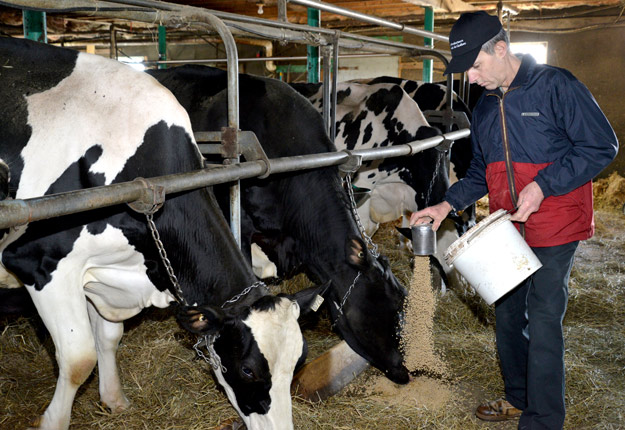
(218, 275)
(333, 241)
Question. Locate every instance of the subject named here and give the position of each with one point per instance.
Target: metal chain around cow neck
(363, 233)
(339, 309)
(208, 340)
(439, 161)
(161, 251)
(170, 270)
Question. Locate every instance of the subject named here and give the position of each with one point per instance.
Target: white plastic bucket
(493, 257)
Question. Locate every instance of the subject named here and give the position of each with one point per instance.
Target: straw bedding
(171, 389)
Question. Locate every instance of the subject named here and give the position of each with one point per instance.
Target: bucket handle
(479, 229)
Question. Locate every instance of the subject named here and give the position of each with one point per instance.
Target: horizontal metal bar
(210, 148)
(207, 136)
(19, 212)
(328, 7)
(255, 59)
(175, 15)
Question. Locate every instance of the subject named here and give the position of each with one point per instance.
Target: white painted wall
(371, 67)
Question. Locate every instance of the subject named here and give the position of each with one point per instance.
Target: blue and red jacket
(556, 135)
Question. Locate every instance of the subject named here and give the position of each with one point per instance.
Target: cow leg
(65, 316)
(391, 200)
(107, 335)
(364, 213)
(261, 264)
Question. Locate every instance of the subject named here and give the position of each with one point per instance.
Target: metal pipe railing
(19, 212)
(328, 7)
(253, 59)
(151, 11)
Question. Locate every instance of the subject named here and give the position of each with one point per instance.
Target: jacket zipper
(507, 155)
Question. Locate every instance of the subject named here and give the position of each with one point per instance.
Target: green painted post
(35, 25)
(428, 43)
(312, 52)
(162, 46)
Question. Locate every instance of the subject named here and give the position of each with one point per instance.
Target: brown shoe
(497, 410)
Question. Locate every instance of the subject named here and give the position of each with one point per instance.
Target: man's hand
(529, 201)
(437, 213)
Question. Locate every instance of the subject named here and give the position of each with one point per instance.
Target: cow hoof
(117, 406)
(231, 424)
(36, 425)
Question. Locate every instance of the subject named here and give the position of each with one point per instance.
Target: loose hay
(170, 389)
(609, 193)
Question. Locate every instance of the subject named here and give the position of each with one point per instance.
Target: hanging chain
(244, 292)
(347, 294)
(161, 251)
(207, 341)
(213, 359)
(436, 169)
(365, 236)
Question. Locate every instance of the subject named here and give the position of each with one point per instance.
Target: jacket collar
(525, 71)
(522, 76)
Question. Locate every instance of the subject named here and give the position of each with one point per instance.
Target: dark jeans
(530, 340)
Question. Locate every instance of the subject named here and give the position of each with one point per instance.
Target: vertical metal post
(335, 78)
(428, 43)
(162, 46)
(113, 47)
(35, 25)
(327, 79)
(312, 63)
(282, 11)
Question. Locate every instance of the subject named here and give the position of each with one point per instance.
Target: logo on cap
(457, 44)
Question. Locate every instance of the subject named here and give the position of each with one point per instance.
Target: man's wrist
(450, 207)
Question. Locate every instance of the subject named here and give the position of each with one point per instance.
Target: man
(538, 140)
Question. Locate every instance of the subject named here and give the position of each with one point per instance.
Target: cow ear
(404, 231)
(311, 298)
(357, 253)
(200, 320)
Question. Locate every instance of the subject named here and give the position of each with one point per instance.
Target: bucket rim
(457, 248)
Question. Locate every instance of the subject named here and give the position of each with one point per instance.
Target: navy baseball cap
(466, 38)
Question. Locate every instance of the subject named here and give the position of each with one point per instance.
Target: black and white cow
(302, 220)
(372, 114)
(433, 97)
(70, 121)
(379, 115)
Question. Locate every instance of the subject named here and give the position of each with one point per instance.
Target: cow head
(255, 350)
(368, 312)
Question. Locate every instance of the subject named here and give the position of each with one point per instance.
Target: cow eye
(247, 371)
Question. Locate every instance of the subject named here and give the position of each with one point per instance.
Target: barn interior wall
(596, 58)
(361, 68)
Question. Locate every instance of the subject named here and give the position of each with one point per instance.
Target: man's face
(488, 70)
